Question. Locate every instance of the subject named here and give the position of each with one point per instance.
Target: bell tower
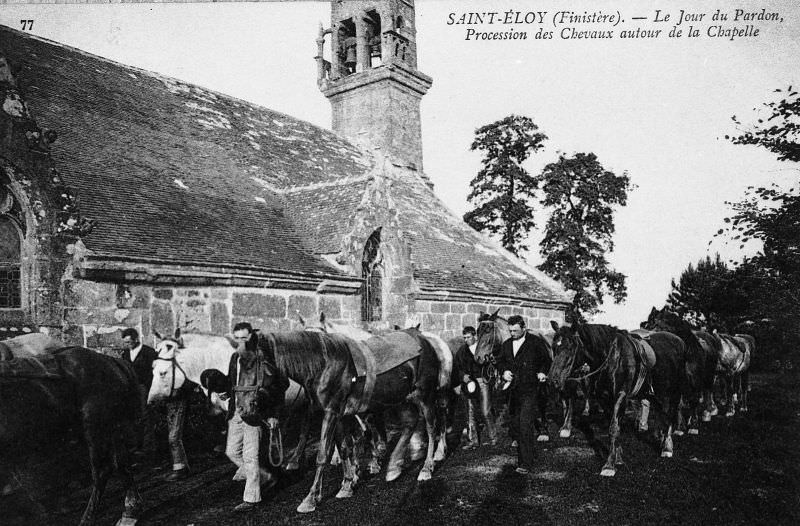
(371, 78)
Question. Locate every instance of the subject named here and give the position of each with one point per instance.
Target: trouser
(522, 425)
(485, 400)
(242, 449)
(176, 416)
(146, 425)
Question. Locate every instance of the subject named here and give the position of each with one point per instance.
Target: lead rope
(275, 451)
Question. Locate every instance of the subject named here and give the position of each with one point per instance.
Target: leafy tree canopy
(581, 195)
(502, 190)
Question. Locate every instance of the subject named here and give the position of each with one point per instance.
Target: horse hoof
(730, 414)
(439, 456)
(417, 455)
(543, 438)
(608, 472)
(292, 466)
(714, 412)
(374, 469)
(306, 507)
(643, 429)
(678, 432)
(694, 431)
(564, 433)
(666, 454)
(127, 521)
(424, 475)
(392, 474)
(344, 493)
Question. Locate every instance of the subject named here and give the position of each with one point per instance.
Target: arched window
(372, 275)
(10, 245)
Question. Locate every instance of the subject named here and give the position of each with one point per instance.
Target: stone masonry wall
(447, 318)
(96, 312)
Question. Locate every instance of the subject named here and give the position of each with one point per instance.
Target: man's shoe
(245, 507)
(514, 443)
(178, 474)
(522, 471)
(470, 445)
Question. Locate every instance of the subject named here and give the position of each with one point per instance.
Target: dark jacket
(464, 363)
(143, 364)
(531, 359)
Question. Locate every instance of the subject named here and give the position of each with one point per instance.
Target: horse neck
(501, 332)
(597, 340)
(195, 360)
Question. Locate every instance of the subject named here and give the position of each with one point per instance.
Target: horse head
(664, 320)
(492, 332)
(168, 375)
(260, 388)
(568, 353)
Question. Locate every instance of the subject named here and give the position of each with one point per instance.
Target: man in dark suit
(141, 357)
(470, 373)
(524, 362)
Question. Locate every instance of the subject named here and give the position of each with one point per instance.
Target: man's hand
(541, 376)
(466, 379)
(508, 376)
(223, 396)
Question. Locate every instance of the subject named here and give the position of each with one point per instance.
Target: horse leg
(730, 392)
(101, 463)
(293, 463)
(429, 418)
(644, 415)
(408, 418)
(680, 420)
(133, 500)
(326, 442)
(442, 407)
(744, 389)
(614, 457)
(709, 407)
(346, 447)
(694, 414)
(566, 428)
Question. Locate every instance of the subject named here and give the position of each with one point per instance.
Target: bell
(350, 56)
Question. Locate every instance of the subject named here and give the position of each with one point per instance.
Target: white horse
(185, 357)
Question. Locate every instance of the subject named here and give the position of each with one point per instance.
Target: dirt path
(740, 470)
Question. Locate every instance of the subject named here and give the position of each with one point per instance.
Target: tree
(771, 215)
(578, 235)
(708, 295)
(502, 191)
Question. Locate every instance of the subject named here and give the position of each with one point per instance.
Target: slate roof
(175, 172)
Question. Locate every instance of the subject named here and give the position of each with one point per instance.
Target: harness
(175, 365)
(578, 348)
(263, 369)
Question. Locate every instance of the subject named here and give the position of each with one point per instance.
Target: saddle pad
(43, 366)
(392, 349)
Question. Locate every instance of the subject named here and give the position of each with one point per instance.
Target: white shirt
(473, 348)
(135, 352)
(516, 344)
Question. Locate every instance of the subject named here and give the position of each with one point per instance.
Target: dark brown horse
(69, 394)
(701, 362)
(324, 365)
(624, 369)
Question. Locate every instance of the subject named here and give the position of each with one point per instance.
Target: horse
(623, 367)
(325, 364)
(184, 357)
(733, 368)
(492, 332)
(72, 392)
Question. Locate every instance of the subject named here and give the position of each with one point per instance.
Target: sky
(656, 109)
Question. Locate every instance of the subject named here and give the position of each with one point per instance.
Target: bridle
(175, 365)
(581, 348)
(264, 369)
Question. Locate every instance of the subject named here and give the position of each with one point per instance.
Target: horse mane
(597, 337)
(303, 355)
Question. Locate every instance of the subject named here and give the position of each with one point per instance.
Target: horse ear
(157, 335)
(653, 311)
(178, 333)
(299, 317)
(396, 327)
(554, 325)
(494, 315)
(322, 318)
(418, 326)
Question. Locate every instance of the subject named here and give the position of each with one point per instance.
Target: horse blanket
(377, 355)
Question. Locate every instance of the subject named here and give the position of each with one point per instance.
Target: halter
(175, 365)
(578, 348)
(275, 450)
